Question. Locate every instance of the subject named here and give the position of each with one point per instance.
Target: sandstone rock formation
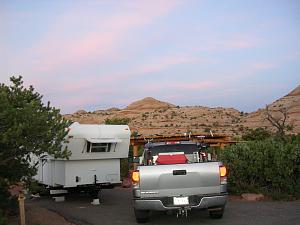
(153, 117)
(149, 103)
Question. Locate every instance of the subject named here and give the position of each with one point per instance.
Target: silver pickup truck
(178, 177)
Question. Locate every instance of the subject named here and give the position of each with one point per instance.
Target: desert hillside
(290, 102)
(153, 117)
(149, 103)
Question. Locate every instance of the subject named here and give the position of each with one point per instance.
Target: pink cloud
(165, 63)
(156, 66)
(55, 50)
(78, 85)
(95, 46)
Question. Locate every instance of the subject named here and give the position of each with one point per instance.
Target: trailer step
(57, 192)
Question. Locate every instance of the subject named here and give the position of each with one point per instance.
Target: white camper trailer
(95, 160)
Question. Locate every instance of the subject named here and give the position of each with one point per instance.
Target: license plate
(181, 200)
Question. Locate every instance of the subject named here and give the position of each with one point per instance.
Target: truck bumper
(158, 205)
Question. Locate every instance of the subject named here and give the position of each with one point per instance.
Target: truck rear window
(186, 148)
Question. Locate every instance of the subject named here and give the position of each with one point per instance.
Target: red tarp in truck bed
(171, 159)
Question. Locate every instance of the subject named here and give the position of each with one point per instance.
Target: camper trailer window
(99, 147)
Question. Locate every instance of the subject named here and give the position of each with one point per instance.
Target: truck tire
(216, 214)
(141, 216)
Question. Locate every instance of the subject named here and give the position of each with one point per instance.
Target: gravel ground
(117, 210)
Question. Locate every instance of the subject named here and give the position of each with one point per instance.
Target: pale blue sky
(99, 54)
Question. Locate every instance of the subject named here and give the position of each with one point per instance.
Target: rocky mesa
(151, 117)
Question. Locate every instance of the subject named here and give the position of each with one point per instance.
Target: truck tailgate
(179, 179)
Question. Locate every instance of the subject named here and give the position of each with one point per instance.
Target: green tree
(135, 134)
(257, 134)
(27, 127)
(117, 121)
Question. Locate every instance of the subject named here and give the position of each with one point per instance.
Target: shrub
(256, 134)
(135, 134)
(117, 121)
(270, 166)
(124, 168)
(215, 124)
(207, 129)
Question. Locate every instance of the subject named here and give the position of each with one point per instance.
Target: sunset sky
(98, 54)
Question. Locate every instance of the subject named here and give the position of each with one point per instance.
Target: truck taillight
(223, 171)
(223, 175)
(135, 176)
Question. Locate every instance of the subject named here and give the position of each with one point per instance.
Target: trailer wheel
(141, 216)
(216, 214)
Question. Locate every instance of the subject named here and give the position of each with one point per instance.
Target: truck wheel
(216, 214)
(141, 216)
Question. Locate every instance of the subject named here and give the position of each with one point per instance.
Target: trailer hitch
(183, 212)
